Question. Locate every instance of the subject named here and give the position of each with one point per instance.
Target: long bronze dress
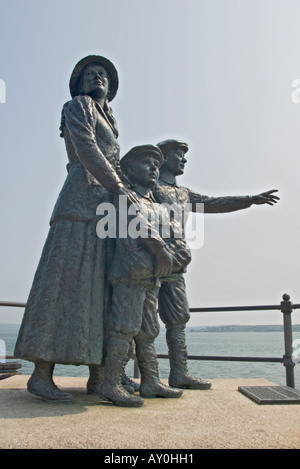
(63, 320)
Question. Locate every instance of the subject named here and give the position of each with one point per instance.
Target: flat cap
(137, 152)
(172, 143)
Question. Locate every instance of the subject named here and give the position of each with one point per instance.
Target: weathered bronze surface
(93, 295)
(63, 320)
(172, 300)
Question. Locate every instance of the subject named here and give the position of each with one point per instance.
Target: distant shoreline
(224, 328)
(237, 328)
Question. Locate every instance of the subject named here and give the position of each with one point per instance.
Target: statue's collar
(148, 195)
(168, 180)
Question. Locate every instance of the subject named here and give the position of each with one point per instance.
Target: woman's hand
(131, 197)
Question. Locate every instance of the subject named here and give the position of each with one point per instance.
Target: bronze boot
(111, 388)
(179, 375)
(150, 384)
(41, 384)
(95, 378)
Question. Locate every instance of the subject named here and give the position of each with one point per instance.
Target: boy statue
(142, 258)
(173, 305)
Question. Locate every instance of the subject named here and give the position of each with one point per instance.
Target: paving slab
(219, 418)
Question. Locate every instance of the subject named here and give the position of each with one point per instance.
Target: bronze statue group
(95, 300)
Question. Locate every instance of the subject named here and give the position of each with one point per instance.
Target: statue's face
(175, 161)
(95, 80)
(145, 171)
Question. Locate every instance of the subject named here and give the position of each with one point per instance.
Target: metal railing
(285, 306)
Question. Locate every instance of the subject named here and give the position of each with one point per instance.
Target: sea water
(245, 344)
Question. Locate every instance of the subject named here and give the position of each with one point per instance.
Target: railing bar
(217, 358)
(9, 303)
(235, 308)
(222, 358)
(194, 310)
(240, 308)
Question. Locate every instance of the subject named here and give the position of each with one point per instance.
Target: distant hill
(233, 328)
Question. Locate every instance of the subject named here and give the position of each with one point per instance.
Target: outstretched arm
(230, 203)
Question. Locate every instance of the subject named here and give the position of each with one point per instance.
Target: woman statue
(63, 319)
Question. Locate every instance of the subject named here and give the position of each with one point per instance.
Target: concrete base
(218, 418)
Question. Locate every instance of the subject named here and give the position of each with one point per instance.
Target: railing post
(286, 309)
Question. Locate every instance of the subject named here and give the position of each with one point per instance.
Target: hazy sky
(215, 73)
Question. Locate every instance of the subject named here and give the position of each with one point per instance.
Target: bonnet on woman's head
(105, 63)
(113, 86)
